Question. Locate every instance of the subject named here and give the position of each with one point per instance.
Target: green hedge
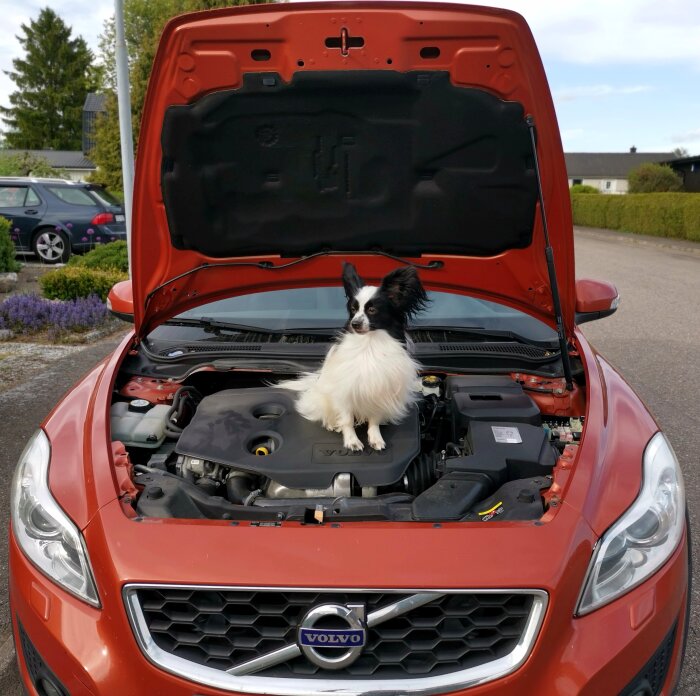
(660, 214)
(583, 188)
(7, 248)
(112, 256)
(71, 282)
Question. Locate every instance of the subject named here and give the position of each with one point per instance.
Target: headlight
(43, 531)
(646, 535)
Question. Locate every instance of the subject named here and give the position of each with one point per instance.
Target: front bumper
(95, 652)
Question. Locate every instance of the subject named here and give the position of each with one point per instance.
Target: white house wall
(614, 186)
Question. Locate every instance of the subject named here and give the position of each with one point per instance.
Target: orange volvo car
(179, 530)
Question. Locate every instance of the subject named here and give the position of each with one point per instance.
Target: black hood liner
(348, 161)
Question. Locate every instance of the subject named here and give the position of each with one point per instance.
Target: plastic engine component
(506, 451)
(136, 428)
(230, 426)
(489, 398)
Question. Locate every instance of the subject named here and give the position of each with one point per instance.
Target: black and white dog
(368, 376)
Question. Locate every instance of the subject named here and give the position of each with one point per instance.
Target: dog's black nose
(356, 324)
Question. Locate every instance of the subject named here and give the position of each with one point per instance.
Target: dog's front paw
(354, 444)
(376, 442)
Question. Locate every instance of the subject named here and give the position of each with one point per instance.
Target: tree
(143, 23)
(106, 153)
(681, 152)
(52, 81)
(654, 178)
(27, 165)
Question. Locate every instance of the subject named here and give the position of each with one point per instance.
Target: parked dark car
(56, 217)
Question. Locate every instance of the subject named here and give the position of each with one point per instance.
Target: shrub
(28, 314)
(8, 264)
(660, 214)
(654, 178)
(71, 282)
(112, 256)
(25, 164)
(583, 188)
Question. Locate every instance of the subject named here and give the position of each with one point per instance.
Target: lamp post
(125, 132)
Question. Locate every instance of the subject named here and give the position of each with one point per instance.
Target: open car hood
(278, 140)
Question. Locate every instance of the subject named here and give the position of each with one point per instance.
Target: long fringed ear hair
(351, 280)
(405, 291)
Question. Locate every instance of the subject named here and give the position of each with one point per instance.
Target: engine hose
(420, 474)
(455, 449)
(250, 500)
(178, 409)
(238, 487)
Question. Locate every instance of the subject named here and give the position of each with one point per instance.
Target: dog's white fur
(365, 378)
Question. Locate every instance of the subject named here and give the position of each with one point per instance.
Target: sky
(623, 72)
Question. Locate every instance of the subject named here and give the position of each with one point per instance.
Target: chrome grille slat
(187, 630)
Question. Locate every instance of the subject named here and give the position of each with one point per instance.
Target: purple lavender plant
(27, 314)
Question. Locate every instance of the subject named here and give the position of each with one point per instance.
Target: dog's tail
(300, 384)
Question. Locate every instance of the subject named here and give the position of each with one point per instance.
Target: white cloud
(85, 17)
(620, 32)
(596, 91)
(687, 137)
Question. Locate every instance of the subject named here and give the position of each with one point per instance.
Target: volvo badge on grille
(319, 643)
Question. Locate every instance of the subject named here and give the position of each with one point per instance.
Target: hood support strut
(549, 255)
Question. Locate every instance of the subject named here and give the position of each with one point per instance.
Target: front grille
(220, 628)
(650, 680)
(37, 668)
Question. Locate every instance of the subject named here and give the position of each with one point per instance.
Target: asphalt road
(653, 339)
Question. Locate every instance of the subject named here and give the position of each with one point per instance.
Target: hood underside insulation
(407, 163)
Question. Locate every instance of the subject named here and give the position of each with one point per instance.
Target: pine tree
(52, 81)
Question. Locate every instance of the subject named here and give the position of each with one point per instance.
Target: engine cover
(229, 426)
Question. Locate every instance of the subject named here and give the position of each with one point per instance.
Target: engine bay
(232, 447)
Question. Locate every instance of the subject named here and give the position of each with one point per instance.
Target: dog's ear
(405, 291)
(351, 280)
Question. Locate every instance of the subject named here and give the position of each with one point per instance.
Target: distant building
(608, 171)
(95, 104)
(689, 169)
(75, 164)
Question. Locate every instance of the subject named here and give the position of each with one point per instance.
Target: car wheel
(51, 246)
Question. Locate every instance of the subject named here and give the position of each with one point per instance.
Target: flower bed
(31, 314)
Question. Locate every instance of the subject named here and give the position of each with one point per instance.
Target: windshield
(325, 308)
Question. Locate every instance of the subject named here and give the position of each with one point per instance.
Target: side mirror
(595, 299)
(120, 301)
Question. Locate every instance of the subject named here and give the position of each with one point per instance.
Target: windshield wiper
(217, 324)
(481, 332)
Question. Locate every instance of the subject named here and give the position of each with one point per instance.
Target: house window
(607, 185)
(578, 181)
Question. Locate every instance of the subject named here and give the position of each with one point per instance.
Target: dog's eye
(371, 311)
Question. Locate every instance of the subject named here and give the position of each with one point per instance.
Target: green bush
(654, 178)
(112, 256)
(661, 214)
(8, 264)
(583, 188)
(71, 282)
